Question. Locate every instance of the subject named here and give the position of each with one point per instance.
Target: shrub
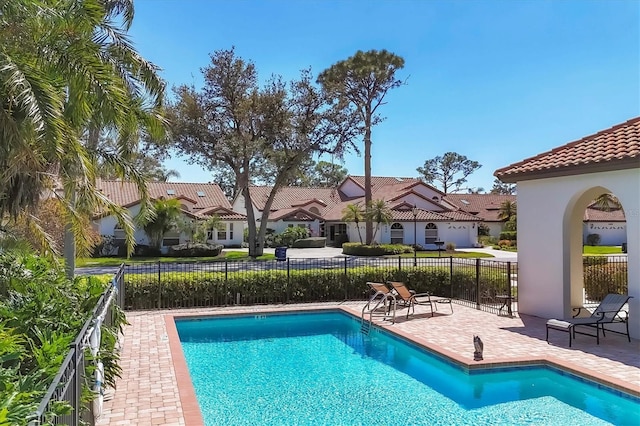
(311, 242)
(105, 247)
(488, 240)
(593, 239)
(483, 230)
(357, 249)
(396, 248)
(42, 312)
(144, 250)
(195, 250)
(450, 246)
(290, 235)
(594, 260)
(178, 289)
(509, 235)
(601, 279)
(504, 243)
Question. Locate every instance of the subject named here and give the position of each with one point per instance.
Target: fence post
(345, 268)
(509, 281)
(399, 263)
(451, 276)
(77, 384)
(159, 288)
(288, 281)
(478, 283)
(226, 278)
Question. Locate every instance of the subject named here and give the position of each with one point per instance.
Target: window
(430, 233)
(314, 210)
(171, 238)
(200, 193)
(171, 192)
(222, 232)
(397, 233)
(118, 235)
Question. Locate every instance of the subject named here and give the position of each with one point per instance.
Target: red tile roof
(126, 193)
(486, 206)
(597, 215)
(612, 149)
(291, 195)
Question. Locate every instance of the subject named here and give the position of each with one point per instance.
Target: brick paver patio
(148, 392)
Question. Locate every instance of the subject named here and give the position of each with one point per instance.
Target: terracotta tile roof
(296, 213)
(597, 215)
(295, 200)
(292, 195)
(485, 206)
(204, 195)
(378, 181)
(222, 212)
(610, 149)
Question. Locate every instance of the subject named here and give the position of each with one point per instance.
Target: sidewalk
(324, 252)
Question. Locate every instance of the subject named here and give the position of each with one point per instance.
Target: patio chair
(608, 312)
(410, 298)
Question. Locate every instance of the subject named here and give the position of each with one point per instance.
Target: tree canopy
(360, 84)
(235, 123)
(448, 172)
(69, 73)
(503, 188)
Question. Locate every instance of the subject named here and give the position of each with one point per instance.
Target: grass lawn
(116, 261)
(598, 250)
(470, 254)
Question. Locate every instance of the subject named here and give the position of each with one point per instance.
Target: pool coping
(191, 409)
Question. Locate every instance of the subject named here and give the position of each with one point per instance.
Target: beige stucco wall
(550, 231)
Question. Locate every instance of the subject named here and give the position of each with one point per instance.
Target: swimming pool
(317, 368)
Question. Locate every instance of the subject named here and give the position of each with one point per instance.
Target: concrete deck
(155, 388)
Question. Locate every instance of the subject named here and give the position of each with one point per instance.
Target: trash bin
(624, 247)
(281, 253)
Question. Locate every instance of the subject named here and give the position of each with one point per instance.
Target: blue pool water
(318, 369)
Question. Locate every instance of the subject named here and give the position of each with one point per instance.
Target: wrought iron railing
(482, 283)
(66, 387)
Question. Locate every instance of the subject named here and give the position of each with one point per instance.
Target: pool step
(365, 326)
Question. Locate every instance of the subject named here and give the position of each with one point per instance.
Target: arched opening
(397, 233)
(588, 277)
(430, 233)
(314, 210)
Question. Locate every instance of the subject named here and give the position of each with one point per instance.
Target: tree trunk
(69, 252)
(367, 179)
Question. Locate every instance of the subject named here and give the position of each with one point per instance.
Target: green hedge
(508, 235)
(176, 290)
(602, 279)
(311, 242)
(358, 249)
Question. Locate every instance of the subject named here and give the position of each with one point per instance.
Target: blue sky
(495, 80)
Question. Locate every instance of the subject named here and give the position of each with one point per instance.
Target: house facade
(198, 201)
(420, 214)
(565, 181)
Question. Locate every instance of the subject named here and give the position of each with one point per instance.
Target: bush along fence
(480, 283)
(604, 275)
(75, 395)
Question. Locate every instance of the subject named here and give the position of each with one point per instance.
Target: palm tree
(68, 73)
(378, 212)
(165, 218)
(607, 202)
(508, 213)
(354, 213)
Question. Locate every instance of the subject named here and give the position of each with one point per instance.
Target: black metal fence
(485, 284)
(67, 384)
(603, 275)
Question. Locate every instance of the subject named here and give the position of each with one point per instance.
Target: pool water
(318, 369)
